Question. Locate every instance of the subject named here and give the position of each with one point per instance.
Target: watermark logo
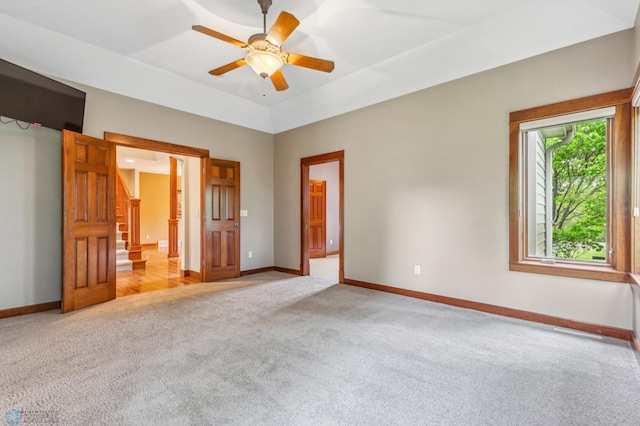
(32, 417)
(13, 417)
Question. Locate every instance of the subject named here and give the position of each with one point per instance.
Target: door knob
(237, 225)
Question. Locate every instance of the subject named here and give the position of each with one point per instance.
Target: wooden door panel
(230, 202)
(216, 260)
(102, 202)
(222, 212)
(82, 196)
(215, 208)
(89, 244)
(82, 262)
(230, 245)
(102, 248)
(317, 218)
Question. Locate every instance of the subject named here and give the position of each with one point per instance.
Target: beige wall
(426, 183)
(31, 216)
(191, 213)
(154, 207)
(129, 177)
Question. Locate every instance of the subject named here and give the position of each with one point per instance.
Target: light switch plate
(244, 213)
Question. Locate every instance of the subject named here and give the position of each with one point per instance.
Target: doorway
(151, 179)
(210, 208)
(326, 240)
(324, 214)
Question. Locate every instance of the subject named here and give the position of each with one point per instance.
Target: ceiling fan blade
(282, 28)
(309, 62)
(229, 67)
(279, 82)
(219, 36)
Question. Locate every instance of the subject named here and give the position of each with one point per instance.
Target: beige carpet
(282, 350)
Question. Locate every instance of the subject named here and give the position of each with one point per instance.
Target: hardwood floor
(161, 273)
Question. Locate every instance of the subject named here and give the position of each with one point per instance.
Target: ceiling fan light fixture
(265, 55)
(264, 63)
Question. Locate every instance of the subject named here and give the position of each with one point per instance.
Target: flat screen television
(33, 98)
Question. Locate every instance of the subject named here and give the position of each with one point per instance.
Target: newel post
(135, 249)
(173, 208)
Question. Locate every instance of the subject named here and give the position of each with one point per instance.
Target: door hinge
(202, 262)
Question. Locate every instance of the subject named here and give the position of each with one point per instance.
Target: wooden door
(89, 221)
(317, 218)
(221, 248)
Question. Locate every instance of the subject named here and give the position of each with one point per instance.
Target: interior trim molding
(635, 342)
(149, 144)
(602, 100)
(32, 309)
(257, 271)
(602, 330)
(287, 270)
(192, 274)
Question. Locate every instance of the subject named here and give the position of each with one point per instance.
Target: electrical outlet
(416, 269)
(250, 254)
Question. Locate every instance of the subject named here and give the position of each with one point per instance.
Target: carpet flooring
(280, 350)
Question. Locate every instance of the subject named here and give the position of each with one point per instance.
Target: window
(566, 171)
(569, 188)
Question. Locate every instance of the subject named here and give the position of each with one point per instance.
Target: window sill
(634, 279)
(602, 273)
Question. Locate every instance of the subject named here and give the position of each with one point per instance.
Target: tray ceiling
(146, 49)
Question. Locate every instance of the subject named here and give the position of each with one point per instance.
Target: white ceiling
(145, 161)
(146, 49)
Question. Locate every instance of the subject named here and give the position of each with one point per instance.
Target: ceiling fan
(265, 55)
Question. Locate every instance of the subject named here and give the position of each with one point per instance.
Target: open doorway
(155, 183)
(186, 267)
(324, 220)
(322, 216)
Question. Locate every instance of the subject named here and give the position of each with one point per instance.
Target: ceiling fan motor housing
(264, 5)
(260, 42)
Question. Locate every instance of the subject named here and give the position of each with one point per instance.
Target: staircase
(122, 254)
(128, 248)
